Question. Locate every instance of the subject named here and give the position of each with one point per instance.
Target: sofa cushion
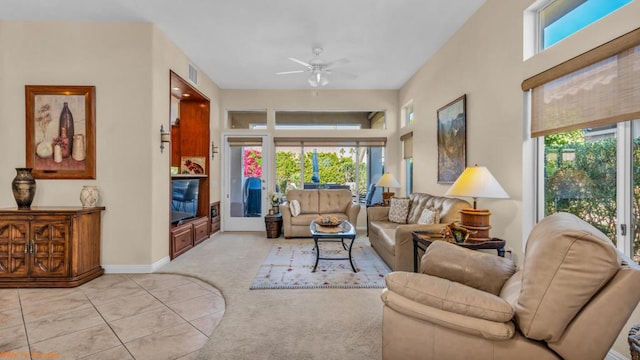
(398, 210)
(429, 216)
(308, 200)
(294, 206)
(303, 219)
(566, 262)
(334, 201)
(482, 271)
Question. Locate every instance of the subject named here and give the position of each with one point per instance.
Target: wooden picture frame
(51, 151)
(452, 140)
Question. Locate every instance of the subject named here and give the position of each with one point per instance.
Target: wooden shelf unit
(190, 138)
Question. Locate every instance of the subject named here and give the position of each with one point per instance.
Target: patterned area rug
(289, 265)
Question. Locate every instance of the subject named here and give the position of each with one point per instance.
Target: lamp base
(477, 222)
(386, 197)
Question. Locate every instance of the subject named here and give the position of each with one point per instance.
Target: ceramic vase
(66, 122)
(78, 153)
(24, 188)
(44, 149)
(89, 196)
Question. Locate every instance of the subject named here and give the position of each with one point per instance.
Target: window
(313, 120)
(408, 114)
(585, 112)
(548, 22)
(256, 120)
(407, 155)
(313, 165)
(562, 18)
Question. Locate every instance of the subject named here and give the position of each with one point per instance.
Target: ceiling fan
(318, 68)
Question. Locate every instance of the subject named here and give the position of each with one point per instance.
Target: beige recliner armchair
(569, 300)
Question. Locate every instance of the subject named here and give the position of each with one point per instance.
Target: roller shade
(330, 141)
(244, 141)
(407, 145)
(589, 90)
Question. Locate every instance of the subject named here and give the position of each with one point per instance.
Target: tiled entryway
(138, 316)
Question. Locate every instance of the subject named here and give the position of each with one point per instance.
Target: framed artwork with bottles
(60, 131)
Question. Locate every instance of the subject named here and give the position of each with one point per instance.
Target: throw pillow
(398, 210)
(294, 206)
(429, 216)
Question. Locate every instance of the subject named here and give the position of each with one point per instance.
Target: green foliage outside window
(337, 168)
(580, 178)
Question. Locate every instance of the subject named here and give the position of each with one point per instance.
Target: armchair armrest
(478, 327)
(479, 270)
(449, 296)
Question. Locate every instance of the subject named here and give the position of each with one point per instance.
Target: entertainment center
(190, 215)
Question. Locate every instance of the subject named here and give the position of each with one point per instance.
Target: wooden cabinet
(49, 247)
(186, 235)
(215, 217)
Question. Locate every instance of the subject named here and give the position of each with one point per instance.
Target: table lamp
(477, 182)
(387, 181)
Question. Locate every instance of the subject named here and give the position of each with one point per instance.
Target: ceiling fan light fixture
(318, 79)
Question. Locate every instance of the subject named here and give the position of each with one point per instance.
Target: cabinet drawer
(201, 230)
(181, 239)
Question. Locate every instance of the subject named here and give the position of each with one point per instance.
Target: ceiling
(241, 44)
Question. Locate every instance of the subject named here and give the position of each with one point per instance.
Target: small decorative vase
(24, 188)
(89, 196)
(276, 208)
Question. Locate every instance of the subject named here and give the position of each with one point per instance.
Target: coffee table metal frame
(347, 232)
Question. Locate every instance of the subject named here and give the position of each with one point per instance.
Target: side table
(273, 223)
(422, 240)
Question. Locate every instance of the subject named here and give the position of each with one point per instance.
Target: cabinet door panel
(50, 249)
(13, 249)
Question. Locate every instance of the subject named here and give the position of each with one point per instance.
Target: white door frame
(230, 223)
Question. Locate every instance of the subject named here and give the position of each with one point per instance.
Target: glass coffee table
(339, 233)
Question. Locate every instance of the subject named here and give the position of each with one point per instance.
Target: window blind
(589, 90)
(330, 142)
(407, 145)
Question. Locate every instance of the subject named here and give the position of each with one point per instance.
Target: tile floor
(138, 316)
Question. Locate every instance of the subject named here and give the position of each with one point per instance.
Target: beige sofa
(314, 203)
(570, 300)
(394, 242)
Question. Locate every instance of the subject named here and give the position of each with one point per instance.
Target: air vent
(193, 74)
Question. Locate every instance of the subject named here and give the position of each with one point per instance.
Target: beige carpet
(280, 324)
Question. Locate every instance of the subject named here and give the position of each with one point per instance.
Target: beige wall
(129, 66)
(484, 60)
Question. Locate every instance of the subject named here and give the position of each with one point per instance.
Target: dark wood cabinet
(215, 217)
(49, 247)
(186, 235)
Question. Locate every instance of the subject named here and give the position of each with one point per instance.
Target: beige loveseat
(314, 203)
(394, 242)
(570, 300)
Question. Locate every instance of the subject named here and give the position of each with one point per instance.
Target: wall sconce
(165, 137)
(214, 150)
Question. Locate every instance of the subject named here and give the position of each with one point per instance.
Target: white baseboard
(614, 355)
(136, 269)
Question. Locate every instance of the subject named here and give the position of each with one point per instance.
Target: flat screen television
(184, 199)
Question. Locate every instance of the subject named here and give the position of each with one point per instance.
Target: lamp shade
(477, 182)
(387, 180)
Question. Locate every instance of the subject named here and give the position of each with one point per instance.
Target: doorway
(246, 182)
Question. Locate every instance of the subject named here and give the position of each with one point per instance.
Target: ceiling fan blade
(301, 62)
(290, 72)
(338, 62)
